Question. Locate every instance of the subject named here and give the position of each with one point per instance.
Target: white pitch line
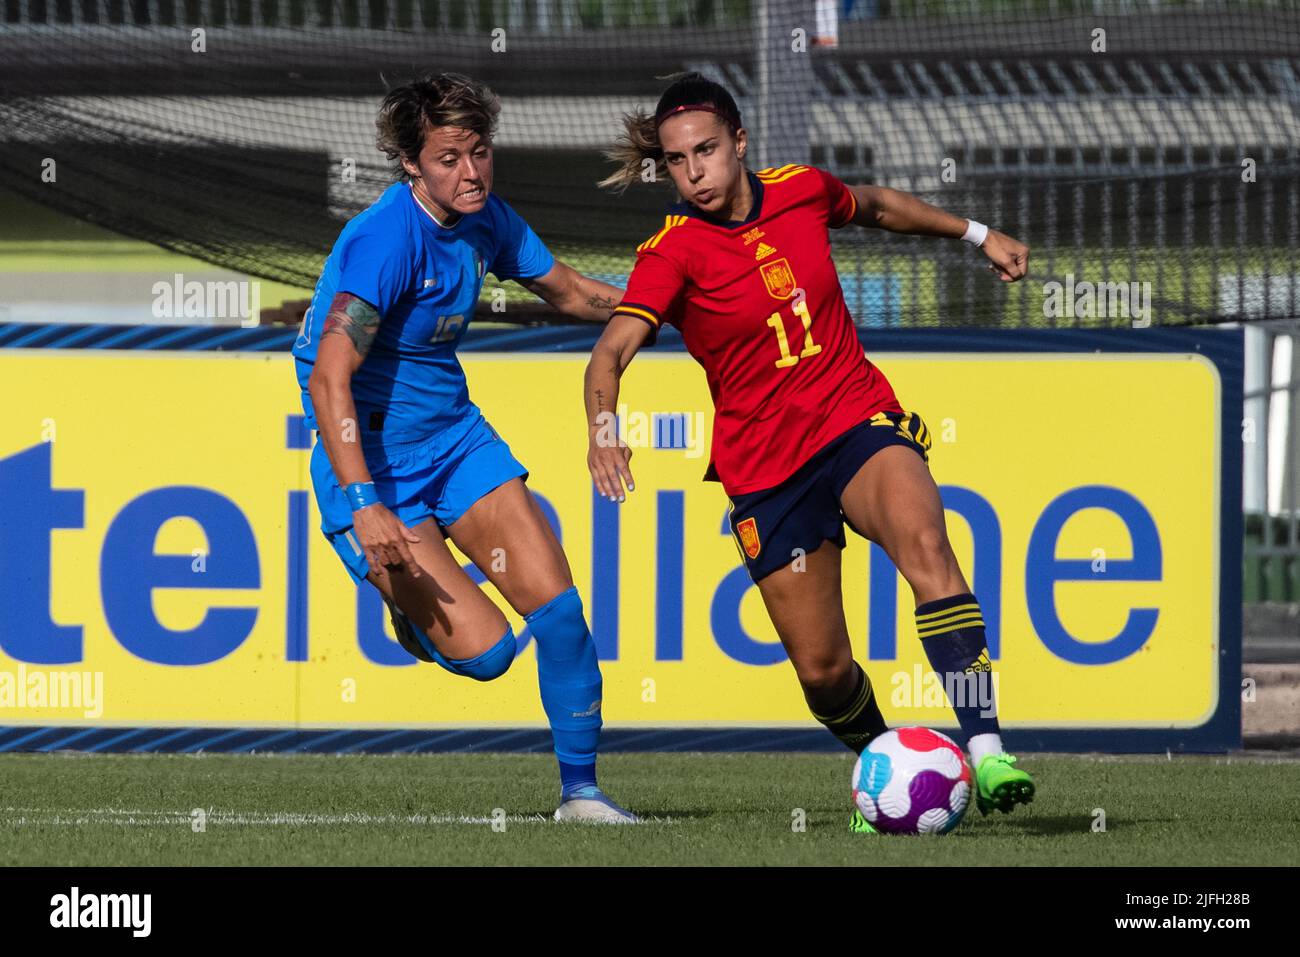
(245, 818)
(123, 817)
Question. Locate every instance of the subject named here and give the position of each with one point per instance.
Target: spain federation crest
(778, 277)
(748, 532)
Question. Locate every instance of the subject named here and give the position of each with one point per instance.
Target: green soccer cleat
(1000, 786)
(860, 825)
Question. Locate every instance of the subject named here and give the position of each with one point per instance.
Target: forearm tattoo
(354, 318)
(602, 302)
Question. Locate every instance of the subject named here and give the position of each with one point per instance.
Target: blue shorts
(438, 477)
(804, 510)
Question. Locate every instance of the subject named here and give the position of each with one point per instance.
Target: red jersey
(759, 306)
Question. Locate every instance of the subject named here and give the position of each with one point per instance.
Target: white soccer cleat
(589, 805)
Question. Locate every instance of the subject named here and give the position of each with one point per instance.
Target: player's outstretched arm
(607, 455)
(574, 294)
(350, 328)
(898, 212)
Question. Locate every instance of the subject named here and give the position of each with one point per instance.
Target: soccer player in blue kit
(404, 459)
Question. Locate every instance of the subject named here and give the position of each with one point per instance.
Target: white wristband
(976, 233)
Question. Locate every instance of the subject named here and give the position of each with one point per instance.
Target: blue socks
(569, 677)
(574, 777)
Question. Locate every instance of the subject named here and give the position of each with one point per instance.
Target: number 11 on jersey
(810, 348)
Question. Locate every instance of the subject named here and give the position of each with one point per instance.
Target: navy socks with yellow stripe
(857, 719)
(952, 633)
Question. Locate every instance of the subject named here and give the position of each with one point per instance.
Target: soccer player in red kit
(808, 434)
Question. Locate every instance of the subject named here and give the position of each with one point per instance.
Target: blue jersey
(425, 279)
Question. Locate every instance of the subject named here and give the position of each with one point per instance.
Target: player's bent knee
(926, 554)
(489, 665)
(823, 675)
(559, 625)
(564, 602)
(929, 544)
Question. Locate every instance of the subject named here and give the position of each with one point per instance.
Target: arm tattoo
(602, 302)
(354, 318)
(600, 400)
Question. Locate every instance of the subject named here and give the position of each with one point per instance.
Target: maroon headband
(733, 122)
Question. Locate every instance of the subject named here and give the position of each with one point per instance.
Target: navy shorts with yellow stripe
(775, 526)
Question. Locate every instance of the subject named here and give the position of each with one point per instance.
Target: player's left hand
(1008, 258)
(610, 468)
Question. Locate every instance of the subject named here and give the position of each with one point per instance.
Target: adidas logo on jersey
(763, 251)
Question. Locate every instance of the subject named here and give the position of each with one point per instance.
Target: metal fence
(1176, 174)
(535, 16)
(548, 16)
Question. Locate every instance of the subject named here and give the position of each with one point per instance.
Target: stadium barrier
(165, 585)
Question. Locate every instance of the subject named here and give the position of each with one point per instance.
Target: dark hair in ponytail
(640, 138)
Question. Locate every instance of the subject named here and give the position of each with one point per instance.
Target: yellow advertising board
(160, 541)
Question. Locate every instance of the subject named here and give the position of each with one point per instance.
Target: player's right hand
(609, 468)
(384, 538)
(1009, 259)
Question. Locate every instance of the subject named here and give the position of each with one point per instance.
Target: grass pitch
(726, 809)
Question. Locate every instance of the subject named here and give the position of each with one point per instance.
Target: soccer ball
(912, 781)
